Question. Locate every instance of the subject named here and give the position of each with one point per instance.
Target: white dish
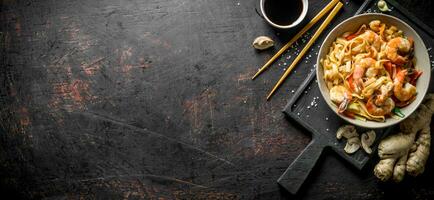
(420, 53)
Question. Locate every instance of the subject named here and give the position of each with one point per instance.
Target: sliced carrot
(350, 81)
(349, 114)
(350, 37)
(389, 68)
(398, 68)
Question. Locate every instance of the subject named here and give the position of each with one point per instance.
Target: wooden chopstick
(296, 37)
(306, 48)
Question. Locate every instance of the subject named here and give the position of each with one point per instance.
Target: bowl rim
(361, 123)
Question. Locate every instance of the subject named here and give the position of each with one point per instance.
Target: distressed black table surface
(153, 100)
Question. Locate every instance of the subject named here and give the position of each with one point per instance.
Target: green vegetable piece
(398, 112)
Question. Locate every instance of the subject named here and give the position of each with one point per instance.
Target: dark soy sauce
(283, 12)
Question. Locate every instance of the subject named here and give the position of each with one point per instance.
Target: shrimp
(386, 92)
(375, 25)
(396, 46)
(341, 96)
(403, 91)
(359, 71)
(372, 38)
(380, 110)
(373, 70)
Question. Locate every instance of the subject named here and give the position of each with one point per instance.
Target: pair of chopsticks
(337, 6)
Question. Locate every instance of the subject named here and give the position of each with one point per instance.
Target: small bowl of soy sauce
(284, 14)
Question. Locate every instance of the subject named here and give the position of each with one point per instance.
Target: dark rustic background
(152, 99)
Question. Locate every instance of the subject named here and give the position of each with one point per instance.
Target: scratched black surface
(153, 99)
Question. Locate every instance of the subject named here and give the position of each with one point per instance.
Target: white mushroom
(353, 142)
(368, 139)
(346, 131)
(263, 42)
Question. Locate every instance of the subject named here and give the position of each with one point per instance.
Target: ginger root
(408, 150)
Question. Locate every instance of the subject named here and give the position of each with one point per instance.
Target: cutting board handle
(298, 171)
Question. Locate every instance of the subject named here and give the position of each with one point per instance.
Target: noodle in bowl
(373, 70)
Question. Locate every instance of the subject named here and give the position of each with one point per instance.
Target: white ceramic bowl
(420, 53)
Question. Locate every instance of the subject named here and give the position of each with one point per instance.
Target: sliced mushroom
(349, 132)
(346, 131)
(368, 139)
(353, 144)
(263, 42)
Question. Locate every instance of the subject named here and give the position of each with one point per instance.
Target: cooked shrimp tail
(403, 90)
(341, 96)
